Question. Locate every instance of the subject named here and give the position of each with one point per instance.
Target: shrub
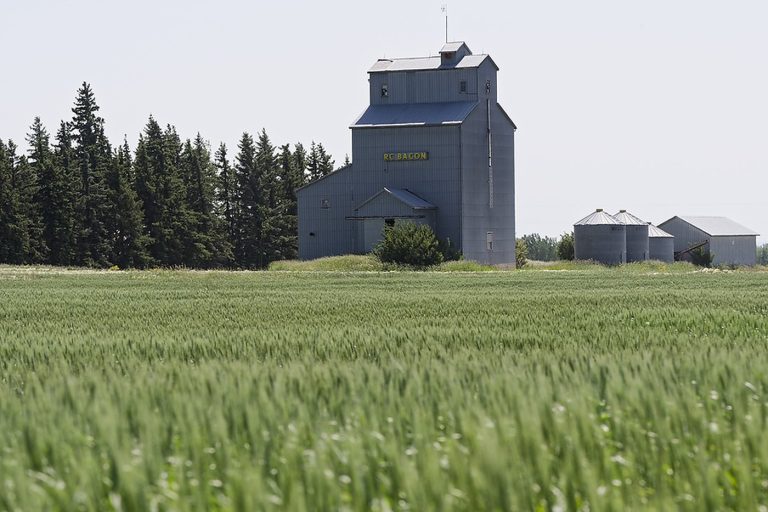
(540, 248)
(701, 257)
(565, 247)
(521, 253)
(762, 255)
(407, 243)
(449, 251)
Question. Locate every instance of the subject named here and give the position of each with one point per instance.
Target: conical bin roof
(628, 219)
(654, 232)
(597, 218)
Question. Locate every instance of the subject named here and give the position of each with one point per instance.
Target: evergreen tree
(225, 196)
(205, 246)
(162, 193)
(93, 155)
(313, 163)
(26, 243)
(52, 200)
(347, 161)
(12, 229)
(326, 162)
(125, 226)
(149, 167)
(176, 220)
(319, 163)
(289, 182)
(299, 165)
(45, 205)
(247, 205)
(274, 236)
(64, 197)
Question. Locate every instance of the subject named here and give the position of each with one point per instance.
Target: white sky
(659, 107)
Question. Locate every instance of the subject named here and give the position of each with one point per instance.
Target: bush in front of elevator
(407, 243)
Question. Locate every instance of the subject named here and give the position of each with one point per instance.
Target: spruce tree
(93, 155)
(65, 196)
(206, 246)
(248, 209)
(149, 166)
(177, 221)
(126, 229)
(225, 197)
(319, 162)
(12, 229)
(45, 203)
(289, 182)
(162, 193)
(300, 165)
(326, 162)
(313, 163)
(272, 204)
(49, 186)
(26, 243)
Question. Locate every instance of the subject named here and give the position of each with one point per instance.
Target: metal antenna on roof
(444, 9)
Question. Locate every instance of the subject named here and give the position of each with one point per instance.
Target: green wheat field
(587, 389)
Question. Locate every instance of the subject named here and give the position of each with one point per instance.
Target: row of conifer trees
(78, 200)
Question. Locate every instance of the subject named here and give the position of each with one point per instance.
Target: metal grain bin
(661, 245)
(601, 238)
(637, 236)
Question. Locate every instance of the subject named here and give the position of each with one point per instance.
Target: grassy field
(587, 389)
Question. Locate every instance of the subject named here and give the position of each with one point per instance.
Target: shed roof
(428, 63)
(404, 196)
(597, 218)
(627, 218)
(415, 114)
(654, 232)
(715, 226)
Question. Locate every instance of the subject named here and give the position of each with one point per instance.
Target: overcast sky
(659, 107)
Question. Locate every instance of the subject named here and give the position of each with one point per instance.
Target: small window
(463, 86)
(325, 204)
(487, 87)
(384, 91)
(390, 223)
(489, 240)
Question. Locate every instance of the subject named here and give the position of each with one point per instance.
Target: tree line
(78, 200)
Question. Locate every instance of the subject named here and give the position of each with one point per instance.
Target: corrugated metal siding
(425, 86)
(386, 205)
(603, 243)
(661, 248)
(325, 231)
(435, 180)
(733, 250)
(685, 234)
(637, 242)
(478, 218)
